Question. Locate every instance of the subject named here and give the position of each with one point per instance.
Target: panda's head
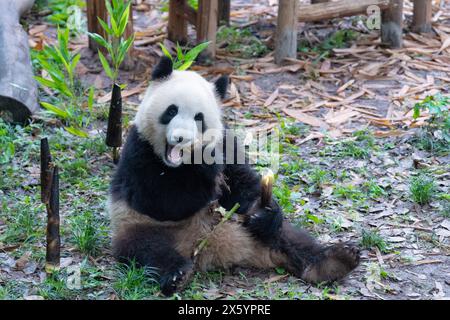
(180, 113)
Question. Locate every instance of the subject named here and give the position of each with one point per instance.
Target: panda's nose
(180, 136)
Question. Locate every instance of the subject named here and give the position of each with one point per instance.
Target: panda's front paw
(265, 223)
(174, 281)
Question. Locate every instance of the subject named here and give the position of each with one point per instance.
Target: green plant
(86, 232)
(349, 192)
(67, 13)
(115, 43)
(241, 41)
(373, 190)
(338, 39)
(371, 239)
(135, 283)
(23, 219)
(7, 148)
(184, 59)
(60, 64)
(422, 188)
(283, 194)
(435, 136)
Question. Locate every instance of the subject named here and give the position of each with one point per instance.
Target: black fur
(163, 69)
(222, 86)
(265, 224)
(151, 246)
(169, 114)
(163, 193)
(243, 187)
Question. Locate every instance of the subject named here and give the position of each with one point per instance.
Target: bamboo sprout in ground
(46, 173)
(114, 131)
(52, 257)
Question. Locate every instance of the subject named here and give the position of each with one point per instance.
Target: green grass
(373, 190)
(135, 283)
(241, 42)
(337, 39)
(23, 217)
(422, 188)
(371, 239)
(87, 232)
(7, 146)
(350, 192)
(435, 135)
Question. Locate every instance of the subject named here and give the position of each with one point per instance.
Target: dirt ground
(349, 153)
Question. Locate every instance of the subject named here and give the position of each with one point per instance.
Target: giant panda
(161, 208)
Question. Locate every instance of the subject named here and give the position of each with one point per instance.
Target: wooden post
(96, 8)
(177, 27)
(392, 24)
(207, 25)
(423, 11)
(286, 34)
(224, 12)
(337, 9)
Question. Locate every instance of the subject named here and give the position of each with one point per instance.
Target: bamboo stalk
(204, 242)
(52, 257)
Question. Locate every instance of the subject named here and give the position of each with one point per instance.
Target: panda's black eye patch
(200, 120)
(169, 114)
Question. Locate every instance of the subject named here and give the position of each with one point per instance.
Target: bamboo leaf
(105, 65)
(77, 132)
(91, 99)
(99, 39)
(165, 51)
(105, 26)
(54, 109)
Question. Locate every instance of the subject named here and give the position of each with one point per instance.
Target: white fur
(192, 94)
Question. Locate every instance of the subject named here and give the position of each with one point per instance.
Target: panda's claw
(175, 281)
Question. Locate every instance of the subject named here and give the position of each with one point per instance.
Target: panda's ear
(221, 86)
(163, 69)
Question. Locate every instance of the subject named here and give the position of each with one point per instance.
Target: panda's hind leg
(152, 246)
(302, 254)
(312, 261)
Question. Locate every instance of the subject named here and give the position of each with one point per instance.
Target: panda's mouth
(174, 155)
